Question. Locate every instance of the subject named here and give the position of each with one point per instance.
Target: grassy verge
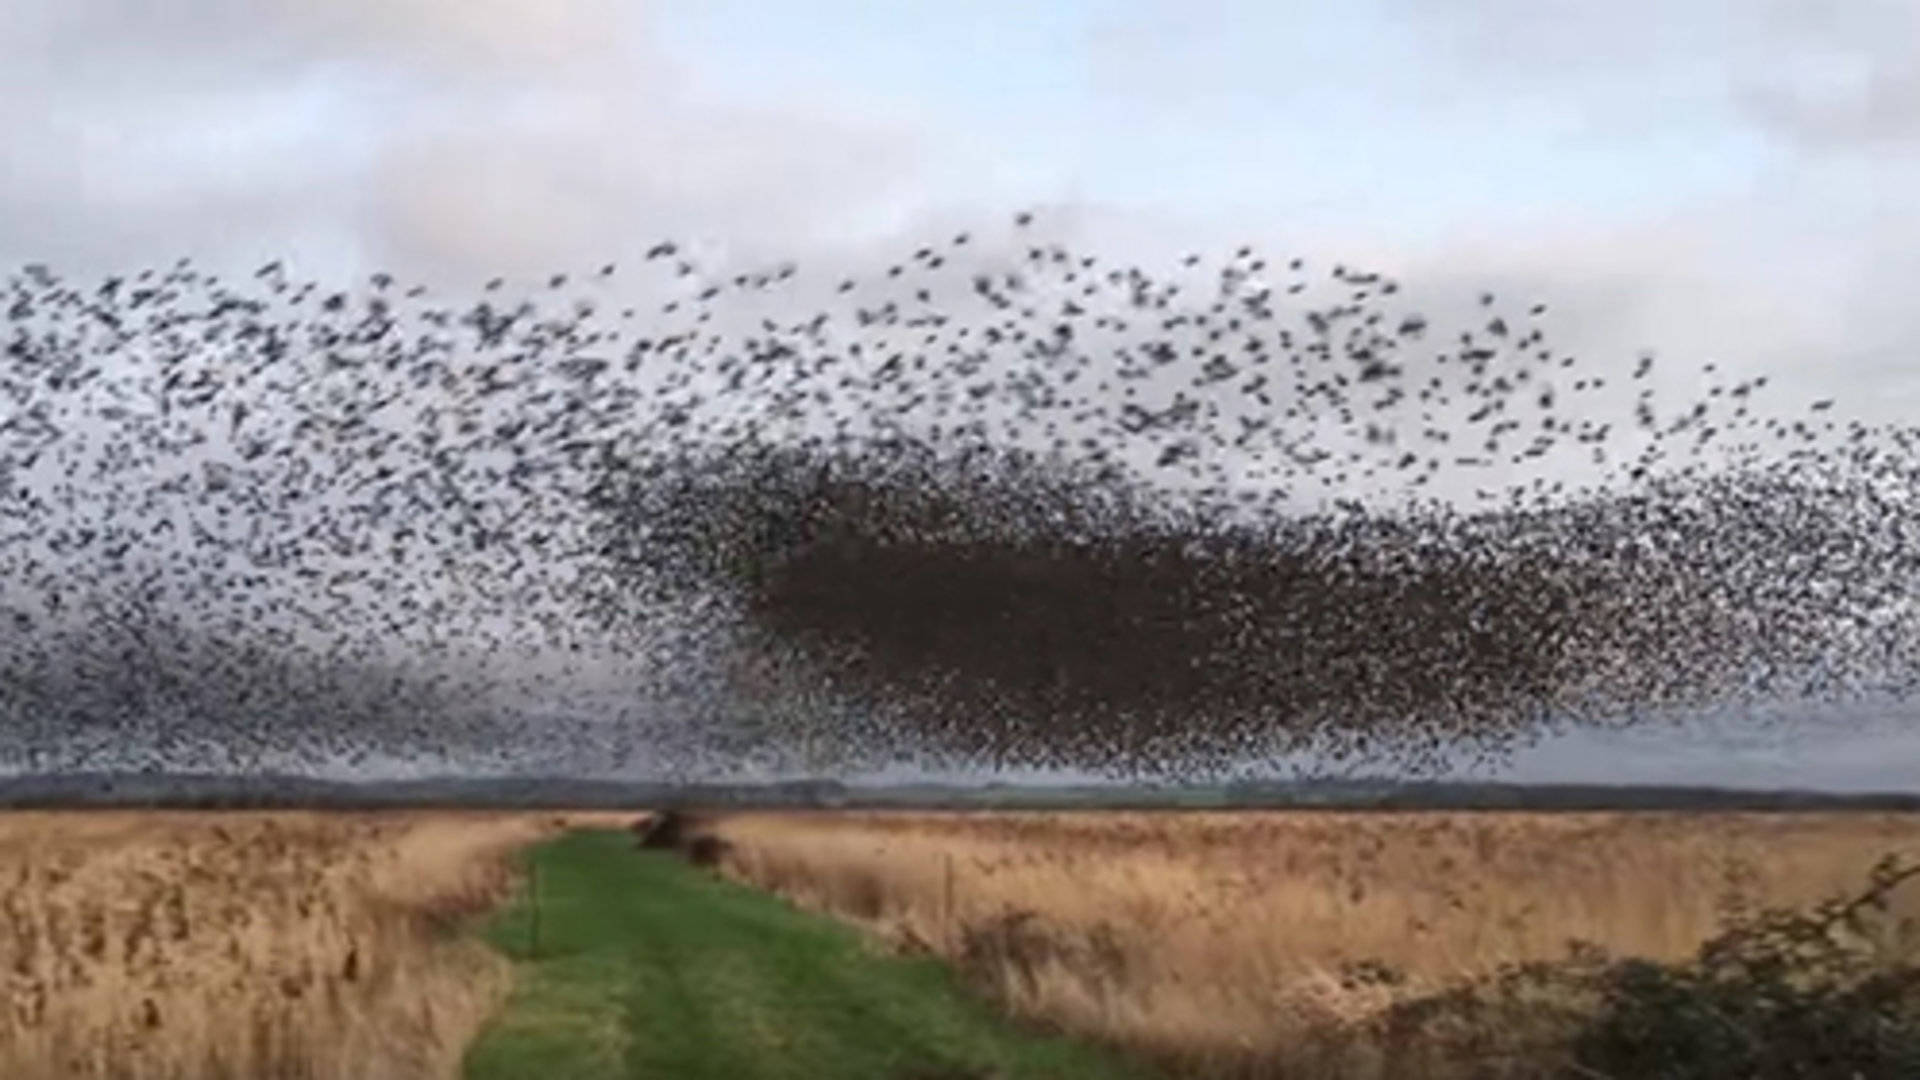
(649, 967)
(1352, 945)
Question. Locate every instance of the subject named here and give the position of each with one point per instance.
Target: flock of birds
(997, 503)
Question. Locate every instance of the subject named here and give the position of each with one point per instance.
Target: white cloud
(454, 140)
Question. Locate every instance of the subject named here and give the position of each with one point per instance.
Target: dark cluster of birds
(999, 503)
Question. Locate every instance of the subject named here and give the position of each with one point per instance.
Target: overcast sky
(1715, 180)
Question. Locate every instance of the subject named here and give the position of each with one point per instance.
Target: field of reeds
(170, 945)
(1277, 944)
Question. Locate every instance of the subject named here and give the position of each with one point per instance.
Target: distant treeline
(212, 792)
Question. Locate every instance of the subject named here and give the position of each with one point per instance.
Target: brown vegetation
(247, 945)
(1281, 943)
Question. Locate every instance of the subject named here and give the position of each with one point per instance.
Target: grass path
(650, 968)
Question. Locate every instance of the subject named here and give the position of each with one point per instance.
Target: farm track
(648, 966)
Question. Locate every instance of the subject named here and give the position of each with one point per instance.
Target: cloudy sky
(1714, 180)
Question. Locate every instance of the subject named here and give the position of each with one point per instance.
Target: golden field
(248, 945)
(1222, 942)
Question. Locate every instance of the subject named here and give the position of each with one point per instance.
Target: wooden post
(947, 917)
(533, 890)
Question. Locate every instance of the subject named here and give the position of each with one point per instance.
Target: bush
(1833, 992)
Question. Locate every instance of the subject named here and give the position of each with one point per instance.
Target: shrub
(1833, 992)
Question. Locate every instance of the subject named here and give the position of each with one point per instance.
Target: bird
(1075, 513)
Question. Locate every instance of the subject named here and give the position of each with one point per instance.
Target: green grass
(648, 967)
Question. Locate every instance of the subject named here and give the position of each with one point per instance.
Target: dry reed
(182, 946)
(1229, 943)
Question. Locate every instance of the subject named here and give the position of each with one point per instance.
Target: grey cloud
(1819, 76)
(605, 183)
(202, 41)
(1874, 105)
(1867, 747)
(1840, 75)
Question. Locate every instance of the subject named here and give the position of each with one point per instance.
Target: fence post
(947, 917)
(533, 889)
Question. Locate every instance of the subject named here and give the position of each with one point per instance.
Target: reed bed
(177, 945)
(1266, 944)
